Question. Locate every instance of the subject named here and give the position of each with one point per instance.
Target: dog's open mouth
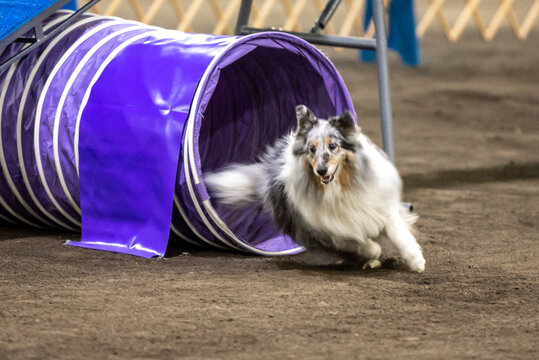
(326, 179)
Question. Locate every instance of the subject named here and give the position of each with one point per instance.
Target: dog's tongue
(327, 179)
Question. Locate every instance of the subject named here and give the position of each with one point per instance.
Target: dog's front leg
(364, 247)
(372, 251)
(399, 234)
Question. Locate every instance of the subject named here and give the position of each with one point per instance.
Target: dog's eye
(332, 146)
(312, 149)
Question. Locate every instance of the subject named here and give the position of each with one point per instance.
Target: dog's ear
(344, 124)
(306, 119)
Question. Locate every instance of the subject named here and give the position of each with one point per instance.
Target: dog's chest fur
(341, 214)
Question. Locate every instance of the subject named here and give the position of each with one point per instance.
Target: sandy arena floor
(467, 139)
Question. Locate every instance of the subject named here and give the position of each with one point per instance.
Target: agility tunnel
(109, 127)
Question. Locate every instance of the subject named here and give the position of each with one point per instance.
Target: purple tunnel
(110, 126)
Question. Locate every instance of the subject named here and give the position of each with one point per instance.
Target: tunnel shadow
(177, 248)
(13, 231)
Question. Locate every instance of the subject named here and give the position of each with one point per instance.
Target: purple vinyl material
(249, 107)
(119, 121)
(15, 201)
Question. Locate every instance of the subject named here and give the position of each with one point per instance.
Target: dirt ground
(467, 141)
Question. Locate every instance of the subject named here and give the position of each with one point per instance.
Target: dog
(328, 187)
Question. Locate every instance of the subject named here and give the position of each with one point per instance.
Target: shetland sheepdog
(329, 188)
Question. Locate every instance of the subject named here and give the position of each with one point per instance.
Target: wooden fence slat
(260, 20)
(190, 14)
(219, 15)
(353, 18)
(480, 24)
(292, 21)
(113, 7)
(96, 9)
(254, 10)
(497, 19)
(350, 21)
(180, 13)
(152, 11)
(288, 9)
(137, 8)
(429, 16)
(513, 22)
(529, 20)
(443, 21)
(463, 19)
(222, 26)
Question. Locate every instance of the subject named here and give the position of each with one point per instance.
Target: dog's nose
(322, 171)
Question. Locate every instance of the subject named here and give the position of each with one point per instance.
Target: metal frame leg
(38, 31)
(243, 16)
(383, 78)
(379, 44)
(325, 16)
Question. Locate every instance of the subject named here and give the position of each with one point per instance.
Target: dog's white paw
(372, 264)
(416, 263)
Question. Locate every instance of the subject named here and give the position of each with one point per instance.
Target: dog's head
(328, 146)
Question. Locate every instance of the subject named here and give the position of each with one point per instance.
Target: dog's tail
(237, 184)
